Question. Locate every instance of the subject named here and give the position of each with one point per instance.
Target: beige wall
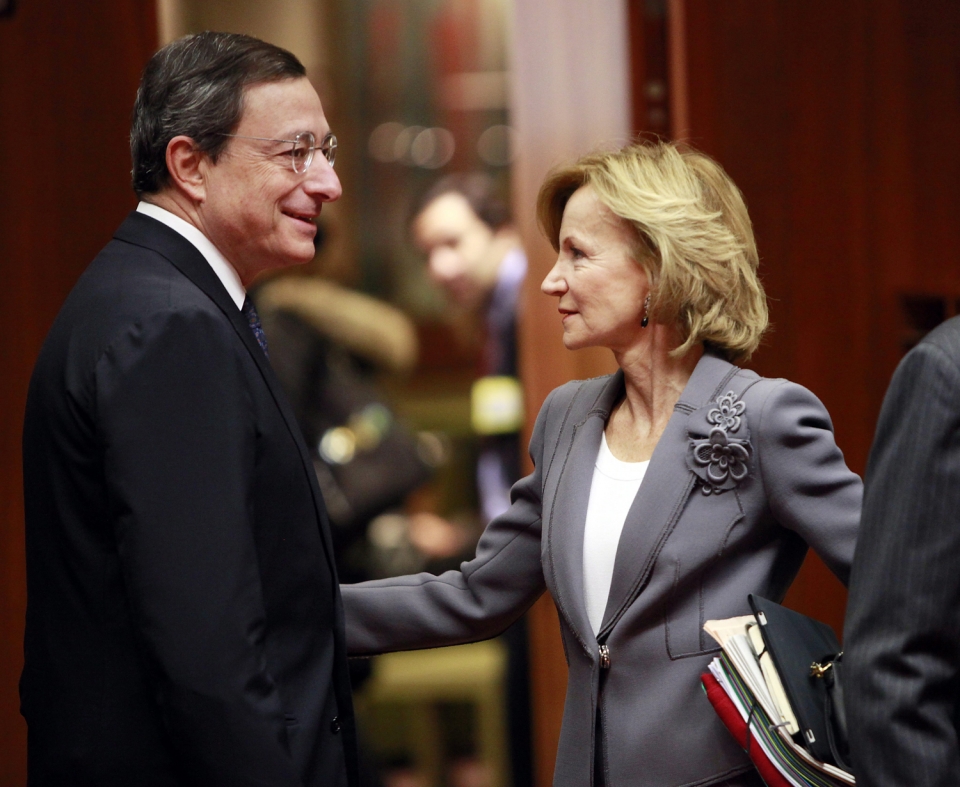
(296, 25)
(570, 93)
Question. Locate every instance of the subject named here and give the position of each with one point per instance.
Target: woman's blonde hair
(696, 240)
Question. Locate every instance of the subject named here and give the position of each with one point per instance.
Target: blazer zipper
(604, 656)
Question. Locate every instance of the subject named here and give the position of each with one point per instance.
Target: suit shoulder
(140, 277)
(780, 388)
(754, 390)
(945, 338)
(125, 298)
(585, 393)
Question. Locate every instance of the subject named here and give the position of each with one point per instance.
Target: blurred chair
(423, 679)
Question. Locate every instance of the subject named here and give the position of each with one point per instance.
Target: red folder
(734, 722)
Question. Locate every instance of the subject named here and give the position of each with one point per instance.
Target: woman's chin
(574, 342)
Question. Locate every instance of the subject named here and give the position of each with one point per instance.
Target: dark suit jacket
(184, 624)
(902, 638)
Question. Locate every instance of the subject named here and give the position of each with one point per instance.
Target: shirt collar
(224, 270)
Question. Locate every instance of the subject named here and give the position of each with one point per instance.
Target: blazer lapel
(142, 230)
(568, 511)
(663, 493)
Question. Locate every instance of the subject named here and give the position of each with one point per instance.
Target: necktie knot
(250, 312)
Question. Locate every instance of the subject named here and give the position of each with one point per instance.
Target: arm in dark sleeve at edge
(477, 602)
(178, 432)
(902, 638)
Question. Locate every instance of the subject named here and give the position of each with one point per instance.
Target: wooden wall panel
(68, 76)
(836, 122)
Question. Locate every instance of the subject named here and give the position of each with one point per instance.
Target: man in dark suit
(902, 638)
(184, 623)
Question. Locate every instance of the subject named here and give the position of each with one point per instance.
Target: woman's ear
(184, 163)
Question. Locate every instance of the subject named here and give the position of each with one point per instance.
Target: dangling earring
(646, 307)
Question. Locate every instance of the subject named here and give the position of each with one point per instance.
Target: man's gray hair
(194, 87)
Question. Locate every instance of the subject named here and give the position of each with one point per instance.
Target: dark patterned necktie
(250, 312)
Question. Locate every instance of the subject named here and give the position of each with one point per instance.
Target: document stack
(747, 691)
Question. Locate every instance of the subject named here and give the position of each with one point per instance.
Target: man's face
(256, 210)
(462, 255)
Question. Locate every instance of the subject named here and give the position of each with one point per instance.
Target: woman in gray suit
(662, 494)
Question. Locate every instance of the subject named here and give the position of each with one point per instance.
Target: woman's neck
(653, 381)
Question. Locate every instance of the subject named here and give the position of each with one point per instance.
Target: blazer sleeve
(477, 602)
(810, 489)
(178, 434)
(902, 638)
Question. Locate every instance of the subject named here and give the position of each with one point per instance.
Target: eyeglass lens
(304, 146)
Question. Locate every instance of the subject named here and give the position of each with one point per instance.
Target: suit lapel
(663, 494)
(142, 230)
(568, 517)
(568, 510)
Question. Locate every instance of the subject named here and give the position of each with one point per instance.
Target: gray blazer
(737, 488)
(902, 636)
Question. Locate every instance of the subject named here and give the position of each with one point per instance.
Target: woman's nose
(554, 283)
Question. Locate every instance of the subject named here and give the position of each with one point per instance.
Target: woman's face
(598, 283)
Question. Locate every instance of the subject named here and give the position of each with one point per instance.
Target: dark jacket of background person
(183, 620)
(327, 345)
(684, 557)
(902, 634)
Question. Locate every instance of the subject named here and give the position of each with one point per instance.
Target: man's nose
(320, 180)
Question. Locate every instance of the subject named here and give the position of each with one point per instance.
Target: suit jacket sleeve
(809, 487)
(477, 602)
(902, 638)
(179, 441)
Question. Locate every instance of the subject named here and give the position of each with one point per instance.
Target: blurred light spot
(495, 146)
(383, 140)
(338, 445)
(655, 90)
(656, 118)
(434, 448)
(403, 142)
(387, 531)
(432, 148)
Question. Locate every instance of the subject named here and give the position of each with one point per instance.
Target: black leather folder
(797, 643)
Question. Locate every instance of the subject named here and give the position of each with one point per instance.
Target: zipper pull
(604, 657)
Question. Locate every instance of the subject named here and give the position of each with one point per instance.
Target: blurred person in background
(473, 253)
(331, 347)
(662, 495)
(463, 227)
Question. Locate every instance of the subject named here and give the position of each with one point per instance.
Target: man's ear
(185, 165)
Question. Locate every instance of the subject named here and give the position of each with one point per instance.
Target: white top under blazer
(615, 485)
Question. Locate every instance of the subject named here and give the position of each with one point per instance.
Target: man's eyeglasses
(304, 146)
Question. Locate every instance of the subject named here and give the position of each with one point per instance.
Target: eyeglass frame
(327, 146)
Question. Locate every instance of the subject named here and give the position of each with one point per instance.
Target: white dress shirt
(224, 270)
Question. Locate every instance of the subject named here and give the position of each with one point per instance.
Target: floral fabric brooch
(722, 459)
